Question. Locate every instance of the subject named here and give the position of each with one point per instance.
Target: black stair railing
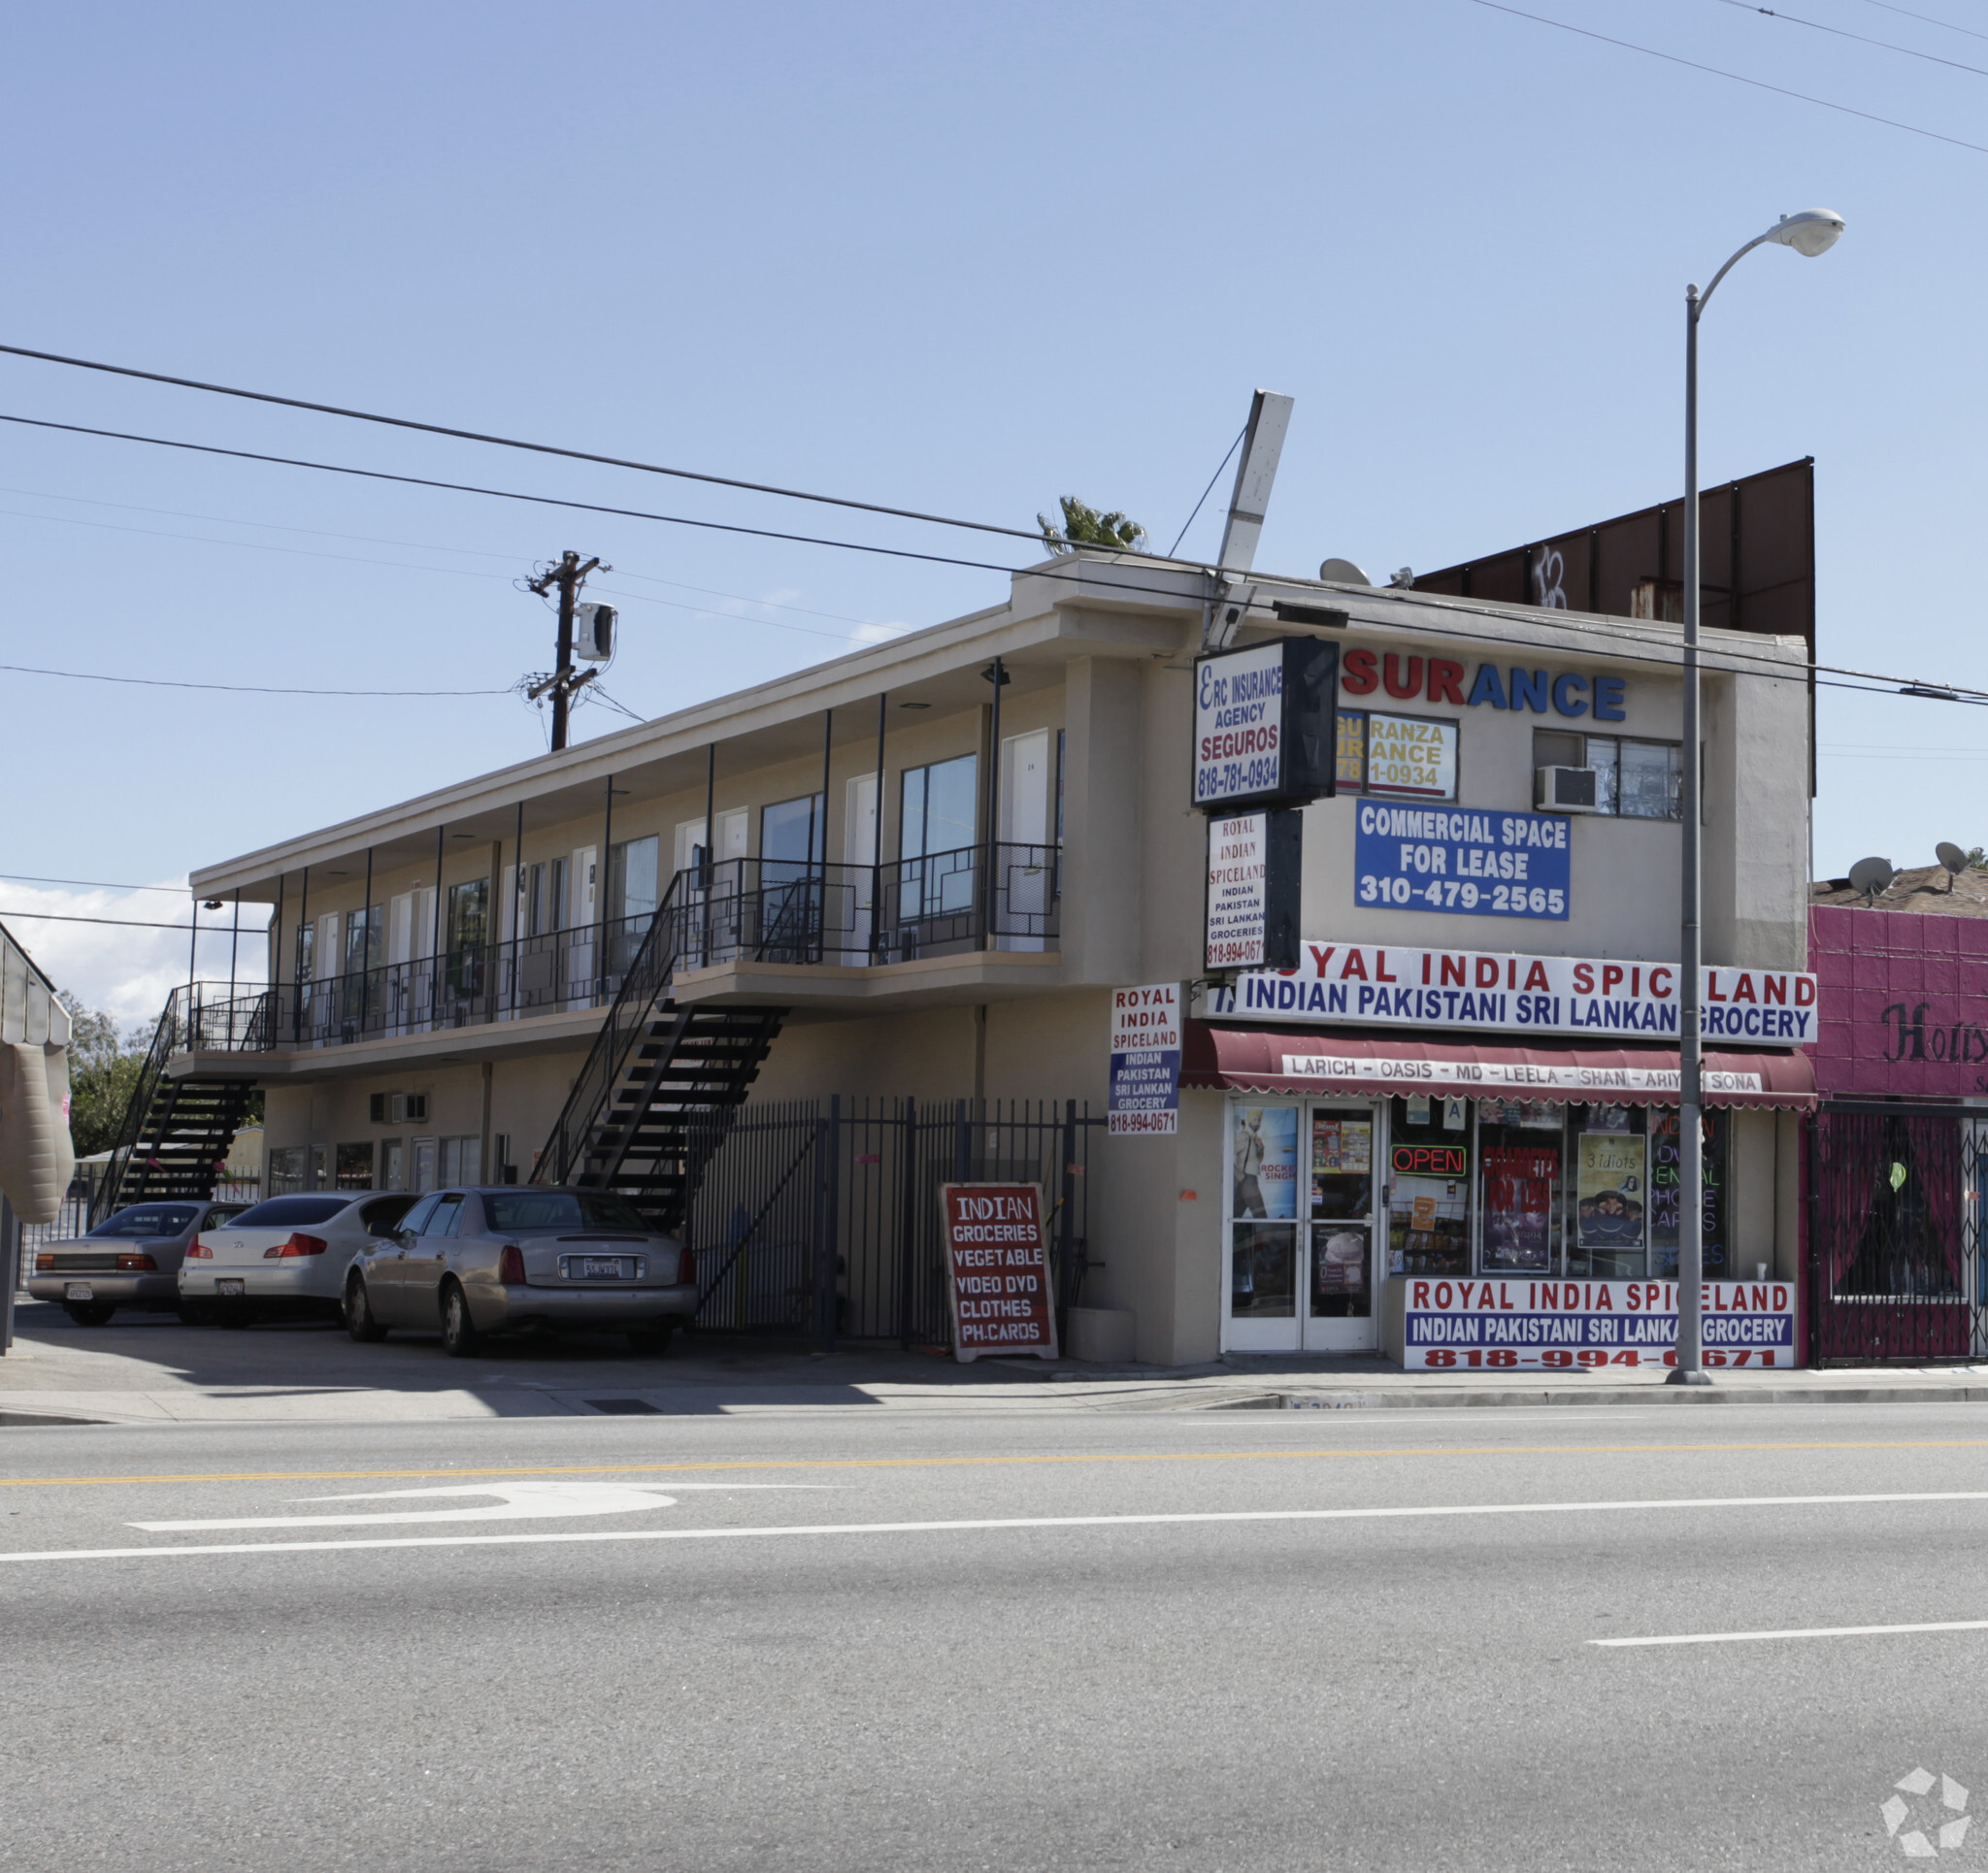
(151, 1076)
(592, 1099)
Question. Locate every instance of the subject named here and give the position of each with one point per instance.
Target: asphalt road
(823, 1640)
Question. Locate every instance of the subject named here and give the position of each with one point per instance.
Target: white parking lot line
(988, 1523)
(1799, 1632)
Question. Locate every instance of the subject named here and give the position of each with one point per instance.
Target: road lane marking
(516, 1500)
(1799, 1632)
(955, 1463)
(1182, 1519)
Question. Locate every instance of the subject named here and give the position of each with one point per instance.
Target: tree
(1084, 526)
(103, 1075)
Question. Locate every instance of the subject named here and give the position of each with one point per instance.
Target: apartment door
(1024, 876)
(1339, 1196)
(859, 852)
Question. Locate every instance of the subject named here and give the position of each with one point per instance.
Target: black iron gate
(822, 1217)
(1895, 1269)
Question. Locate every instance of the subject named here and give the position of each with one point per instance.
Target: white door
(1260, 1222)
(400, 938)
(859, 852)
(1023, 879)
(581, 890)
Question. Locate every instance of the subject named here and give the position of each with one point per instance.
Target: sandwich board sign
(997, 1261)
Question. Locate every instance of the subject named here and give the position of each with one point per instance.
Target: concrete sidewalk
(149, 1370)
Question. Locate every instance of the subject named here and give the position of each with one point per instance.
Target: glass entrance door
(1299, 1221)
(1343, 1158)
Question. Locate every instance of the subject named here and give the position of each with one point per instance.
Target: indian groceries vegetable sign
(1459, 859)
(1555, 1325)
(1480, 991)
(1145, 1059)
(998, 1259)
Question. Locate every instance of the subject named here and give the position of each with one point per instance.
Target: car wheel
(359, 1320)
(459, 1336)
(653, 1341)
(89, 1313)
(196, 1313)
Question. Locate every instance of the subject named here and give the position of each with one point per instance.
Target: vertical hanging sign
(1145, 1059)
(1253, 879)
(997, 1258)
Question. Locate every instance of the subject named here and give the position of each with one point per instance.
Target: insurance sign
(1264, 724)
(1540, 1324)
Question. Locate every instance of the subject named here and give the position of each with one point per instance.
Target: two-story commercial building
(919, 873)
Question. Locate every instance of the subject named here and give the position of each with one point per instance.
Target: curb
(1406, 1399)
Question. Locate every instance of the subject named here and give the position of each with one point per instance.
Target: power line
(1884, 45)
(240, 689)
(1759, 85)
(92, 884)
(1928, 18)
(1738, 662)
(120, 923)
(508, 442)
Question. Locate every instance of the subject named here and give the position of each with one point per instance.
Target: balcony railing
(762, 910)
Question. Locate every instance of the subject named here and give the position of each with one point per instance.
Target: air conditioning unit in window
(1568, 790)
(399, 1108)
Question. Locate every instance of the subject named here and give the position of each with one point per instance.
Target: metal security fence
(822, 1217)
(1895, 1266)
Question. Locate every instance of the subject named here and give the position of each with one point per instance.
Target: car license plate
(599, 1267)
(79, 1291)
(227, 1287)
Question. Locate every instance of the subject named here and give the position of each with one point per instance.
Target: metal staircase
(663, 1083)
(176, 1134)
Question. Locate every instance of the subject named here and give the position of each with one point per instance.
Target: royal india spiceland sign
(1475, 991)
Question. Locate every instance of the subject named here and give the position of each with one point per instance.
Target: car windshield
(148, 1219)
(559, 1209)
(286, 1212)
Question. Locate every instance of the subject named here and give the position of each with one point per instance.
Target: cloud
(877, 632)
(128, 973)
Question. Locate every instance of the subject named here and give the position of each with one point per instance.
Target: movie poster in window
(1265, 1164)
(1519, 1183)
(1611, 1190)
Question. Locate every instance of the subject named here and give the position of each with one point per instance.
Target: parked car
(284, 1257)
(131, 1259)
(521, 1259)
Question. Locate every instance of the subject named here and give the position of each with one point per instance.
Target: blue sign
(1461, 859)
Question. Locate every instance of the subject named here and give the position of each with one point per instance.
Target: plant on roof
(1085, 526)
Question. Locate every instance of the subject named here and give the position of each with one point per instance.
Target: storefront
(1338, 1186)
(1895, 1154)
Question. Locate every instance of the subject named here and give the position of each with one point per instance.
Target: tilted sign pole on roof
(1263, 443)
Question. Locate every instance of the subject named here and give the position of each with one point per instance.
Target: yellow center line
(958, 1462)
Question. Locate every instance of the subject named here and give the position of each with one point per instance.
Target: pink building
(1892, 1190)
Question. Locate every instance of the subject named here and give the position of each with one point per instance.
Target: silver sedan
(521, 1259)
(131, 1259)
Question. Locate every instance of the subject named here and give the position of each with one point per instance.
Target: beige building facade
(942, 880)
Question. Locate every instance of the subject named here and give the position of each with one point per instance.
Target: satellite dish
(1871, 877)
(1343, 572)
(1954, 858)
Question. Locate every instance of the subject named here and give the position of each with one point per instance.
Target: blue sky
(958, 259)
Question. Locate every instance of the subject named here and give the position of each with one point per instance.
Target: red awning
(1312, 1060)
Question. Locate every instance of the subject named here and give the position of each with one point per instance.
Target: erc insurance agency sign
(1548, 1325)
(1461, 859)
(1472, 991)
(1266, 723)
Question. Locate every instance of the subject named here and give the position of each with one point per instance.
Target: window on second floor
(632, 877)
(793, 835)
(1635, 779)
(939, 808)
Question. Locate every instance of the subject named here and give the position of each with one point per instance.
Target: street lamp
(1813, 231)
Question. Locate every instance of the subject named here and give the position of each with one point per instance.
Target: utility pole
(568, 576)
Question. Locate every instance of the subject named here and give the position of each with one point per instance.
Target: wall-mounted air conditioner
(398, 1108)
(1568, 790)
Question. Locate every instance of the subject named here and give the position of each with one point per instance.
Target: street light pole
(1811, 231)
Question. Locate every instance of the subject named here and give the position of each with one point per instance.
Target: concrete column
(1104, 778)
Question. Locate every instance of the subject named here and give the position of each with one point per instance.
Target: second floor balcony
(782, 913)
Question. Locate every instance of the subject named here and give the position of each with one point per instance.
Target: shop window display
(1664, 1188)
(1429, 1187)
(1519, 1150)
